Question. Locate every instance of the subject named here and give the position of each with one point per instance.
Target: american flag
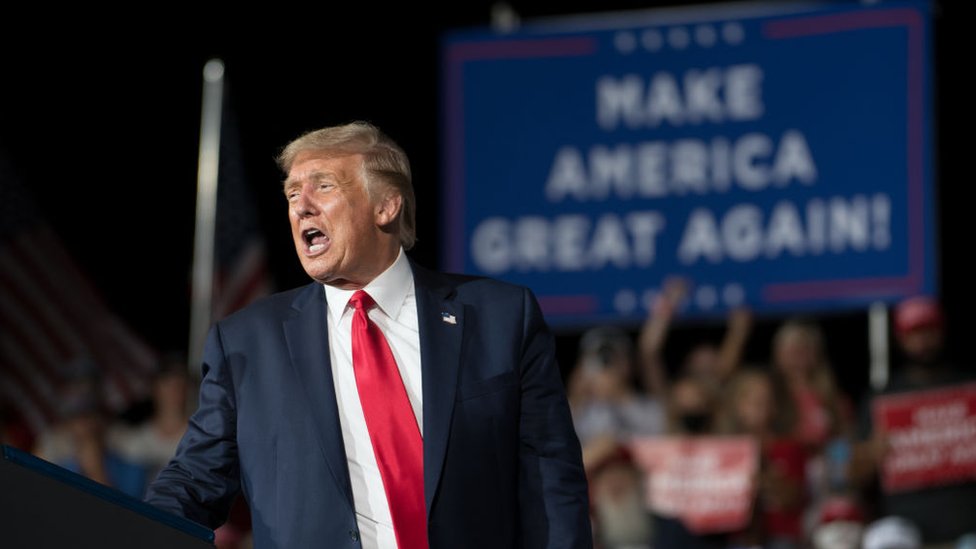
(241, 268)
(53, 322)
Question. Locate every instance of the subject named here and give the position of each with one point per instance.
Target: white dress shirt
(396, 315)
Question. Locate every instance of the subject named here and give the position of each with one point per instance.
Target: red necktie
(392, 426)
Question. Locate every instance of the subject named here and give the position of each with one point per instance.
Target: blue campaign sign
(776, 156)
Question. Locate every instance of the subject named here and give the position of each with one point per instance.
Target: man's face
(333, 223)
(922, 345)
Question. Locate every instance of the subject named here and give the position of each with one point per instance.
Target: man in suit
(470, 443)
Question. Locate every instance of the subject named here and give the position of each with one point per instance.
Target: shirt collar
(389, 290)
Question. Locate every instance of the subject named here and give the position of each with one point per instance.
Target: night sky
(101, 121)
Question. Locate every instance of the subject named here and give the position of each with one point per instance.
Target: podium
(43, 505)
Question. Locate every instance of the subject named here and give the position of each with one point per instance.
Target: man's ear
(388, 208)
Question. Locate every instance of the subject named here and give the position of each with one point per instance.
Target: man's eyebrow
(314, 177)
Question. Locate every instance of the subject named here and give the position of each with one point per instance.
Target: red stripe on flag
(29, 410)
(137, 352)
(126, 362)
(18, 365)
(34, 312)
(20, 325)
(246, 280)
(40, 257)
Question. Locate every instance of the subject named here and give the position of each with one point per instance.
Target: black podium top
(44, 505)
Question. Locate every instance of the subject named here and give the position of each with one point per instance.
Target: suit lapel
(441, 322)
(306, 332)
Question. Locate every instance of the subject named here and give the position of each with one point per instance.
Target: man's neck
(361, 281)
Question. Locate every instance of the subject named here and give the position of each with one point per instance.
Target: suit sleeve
(202, 479)
(552, 484)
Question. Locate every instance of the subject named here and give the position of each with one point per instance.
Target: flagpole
(203, 242)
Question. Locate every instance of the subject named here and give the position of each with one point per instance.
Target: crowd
(818, 452)
(124, 451)
(125, 454)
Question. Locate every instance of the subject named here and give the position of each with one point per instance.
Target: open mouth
(315, 240)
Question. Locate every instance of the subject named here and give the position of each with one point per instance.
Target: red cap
(917, 312)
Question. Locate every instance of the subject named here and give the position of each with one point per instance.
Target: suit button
(354, 535)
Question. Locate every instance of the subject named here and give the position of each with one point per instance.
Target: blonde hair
(809, 332)
(783, 416)
(821, 377)
(383, 162)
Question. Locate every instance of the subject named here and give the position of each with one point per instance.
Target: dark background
(100, 117)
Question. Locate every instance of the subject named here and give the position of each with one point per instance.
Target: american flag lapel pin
(448, 318)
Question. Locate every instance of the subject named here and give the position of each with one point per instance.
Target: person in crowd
(690, 412)
(690, 407)
(711, 364)
(919, 329)
(609, 409)
(85, 423)
(54, 443)
(152, 443)
(839, 524)
(942, 514)
(820, 415)
(750, 407)
(608, 406)
(619, 512)
(689, 392)
(803, 376)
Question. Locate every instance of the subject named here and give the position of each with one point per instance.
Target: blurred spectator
(153, 442)
(620, 516)
(608, 409)
(892, 533)
(83, 425)
(919, 328)
(749, 407)
(55, 443)
(690, 412)
(690, 407)
(942, 514)
(840, 524)
(803, 376)
(708, 363)
(815, 412)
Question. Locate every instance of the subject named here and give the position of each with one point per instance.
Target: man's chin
(320, 277)
(330, 277)
(317, 271)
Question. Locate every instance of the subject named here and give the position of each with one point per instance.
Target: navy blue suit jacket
(502, 463)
